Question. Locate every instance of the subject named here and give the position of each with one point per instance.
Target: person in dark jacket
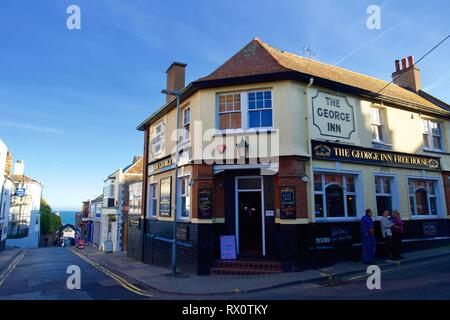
(367, 237)
(398, 229)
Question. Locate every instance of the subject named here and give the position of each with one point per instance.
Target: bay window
(423, 198)
(335, 195)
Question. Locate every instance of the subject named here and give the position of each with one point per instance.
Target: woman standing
(386, 232)
(397, 234)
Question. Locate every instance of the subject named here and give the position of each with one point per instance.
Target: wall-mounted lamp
(191, 182)
(305, 178)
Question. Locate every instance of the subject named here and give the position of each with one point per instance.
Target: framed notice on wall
(287, 195)
(204, 203)
(165, 197)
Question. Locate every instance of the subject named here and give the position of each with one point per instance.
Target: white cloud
(30, 127)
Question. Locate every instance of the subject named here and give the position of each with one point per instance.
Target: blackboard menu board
(204, 203)
(287, 203)
(164, 198)
(430, 229)
(341, 234)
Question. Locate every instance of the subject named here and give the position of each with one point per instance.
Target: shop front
(348, 179)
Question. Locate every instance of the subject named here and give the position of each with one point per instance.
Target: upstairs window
(230, 111)
(432, 135)
(186, 123)
(259, 109)
(378, 126)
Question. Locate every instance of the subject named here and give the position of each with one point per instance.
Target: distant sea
(68, 216)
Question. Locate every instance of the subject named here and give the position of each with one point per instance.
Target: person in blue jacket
(367, 237)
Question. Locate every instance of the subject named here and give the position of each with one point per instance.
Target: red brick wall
(291, 170)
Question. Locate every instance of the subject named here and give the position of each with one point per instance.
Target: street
(428, 279)
(40, 274)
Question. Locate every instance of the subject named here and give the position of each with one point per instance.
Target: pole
(174, 239)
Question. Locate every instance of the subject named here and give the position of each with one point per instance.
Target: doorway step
(245, 267)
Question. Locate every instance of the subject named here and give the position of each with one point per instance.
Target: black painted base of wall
(2, 245)
(298, 247)
(134, 249)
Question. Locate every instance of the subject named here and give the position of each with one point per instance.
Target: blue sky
(70, 100)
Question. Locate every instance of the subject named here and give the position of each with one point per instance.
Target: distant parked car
(67, 243)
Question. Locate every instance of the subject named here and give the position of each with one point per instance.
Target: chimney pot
(411, 61)
(397, 65)
(404, 64)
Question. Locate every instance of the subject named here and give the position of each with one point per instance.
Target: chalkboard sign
(430, 229)
(164, 198)
(183, 232)
(341, 234)
(205, 204)
(227, 247)
(287, 203)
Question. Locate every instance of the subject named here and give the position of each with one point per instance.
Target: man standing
(367, 237)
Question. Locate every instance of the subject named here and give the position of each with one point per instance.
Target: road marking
(11, 266)
(388, 270)
(124, 283)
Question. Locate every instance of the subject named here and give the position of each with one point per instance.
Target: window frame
(437, 195)
(186, 124)
(188, 194)
(380, 124)
(152, 210)
(428, 131)
(358, 194)
(244, 109)
(395, 197)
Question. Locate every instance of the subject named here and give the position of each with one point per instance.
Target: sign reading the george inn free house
(333, 115)
(346, 153)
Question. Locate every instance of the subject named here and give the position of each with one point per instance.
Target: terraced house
(283, 154)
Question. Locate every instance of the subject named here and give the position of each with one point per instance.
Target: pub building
(339, 141)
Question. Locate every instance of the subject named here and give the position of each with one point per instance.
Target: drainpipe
(310, 170)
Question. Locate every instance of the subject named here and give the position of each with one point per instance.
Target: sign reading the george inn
(346, 153)
(333, 115)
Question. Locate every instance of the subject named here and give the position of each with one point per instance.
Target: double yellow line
(11, 266)
(124, 283)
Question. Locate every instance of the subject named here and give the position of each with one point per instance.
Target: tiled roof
(258, 58)
(23, 178)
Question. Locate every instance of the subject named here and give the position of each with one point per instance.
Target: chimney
(407, 76)
(8, 165)
(175, 78)
(19, 168)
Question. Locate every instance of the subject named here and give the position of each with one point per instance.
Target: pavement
(160, 279)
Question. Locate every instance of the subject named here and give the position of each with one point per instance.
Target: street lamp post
(176, 94)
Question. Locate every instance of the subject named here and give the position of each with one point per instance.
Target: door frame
(236, 201)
